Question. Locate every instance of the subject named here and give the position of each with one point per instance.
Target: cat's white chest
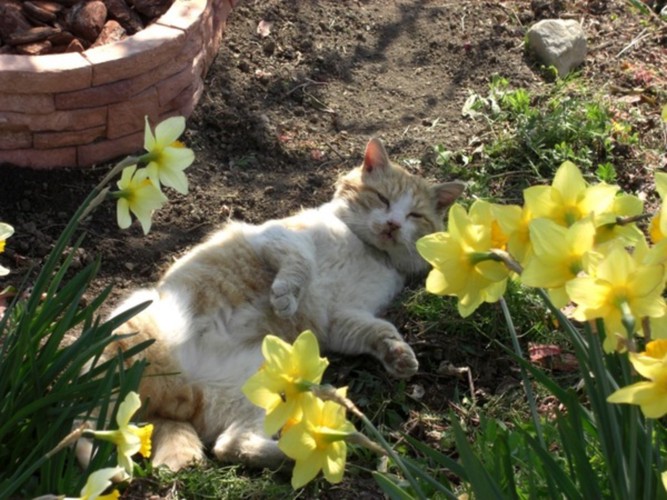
(349, 273)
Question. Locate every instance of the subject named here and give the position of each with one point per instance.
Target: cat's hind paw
(399, 359)
(283, 299)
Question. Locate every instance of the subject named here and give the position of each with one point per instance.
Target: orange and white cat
(330, 269)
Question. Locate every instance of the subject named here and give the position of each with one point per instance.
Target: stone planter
(78, 109)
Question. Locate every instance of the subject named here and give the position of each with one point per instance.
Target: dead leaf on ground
(551, 356)
(264, 28)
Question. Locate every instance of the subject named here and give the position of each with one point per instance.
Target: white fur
(331, 269)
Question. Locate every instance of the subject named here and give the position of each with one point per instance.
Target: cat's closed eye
(415, 215)
(383, 199)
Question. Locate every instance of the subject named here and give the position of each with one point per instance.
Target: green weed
(530, 135)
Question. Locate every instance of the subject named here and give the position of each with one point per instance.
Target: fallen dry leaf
(551, 356)
(264, 28)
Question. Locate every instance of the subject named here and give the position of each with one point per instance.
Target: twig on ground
(634, 42)
(304, 85)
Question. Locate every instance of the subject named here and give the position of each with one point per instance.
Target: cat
(330, 269)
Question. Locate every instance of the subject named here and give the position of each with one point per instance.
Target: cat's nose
(393, 225)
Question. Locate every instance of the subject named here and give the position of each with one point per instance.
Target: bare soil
(284, 114)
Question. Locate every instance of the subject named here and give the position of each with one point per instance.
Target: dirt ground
(283, 115)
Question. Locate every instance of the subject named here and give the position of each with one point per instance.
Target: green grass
(529, 135)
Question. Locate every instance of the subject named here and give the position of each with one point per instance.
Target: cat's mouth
(388, 235)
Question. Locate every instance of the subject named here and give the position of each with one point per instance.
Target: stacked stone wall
(79, 109)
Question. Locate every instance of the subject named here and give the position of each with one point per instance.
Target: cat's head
(390, 209)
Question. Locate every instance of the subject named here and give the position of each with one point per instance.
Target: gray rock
(558, 42)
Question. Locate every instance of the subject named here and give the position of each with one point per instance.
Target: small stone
(31, 35)
(127, 18)
(111, 32)
(34, 49)
(61, 38)
(75, 46)
(558, 42)
(152, 8)
(52, 7)
(36, 11)
(86, 20)
(12, 19)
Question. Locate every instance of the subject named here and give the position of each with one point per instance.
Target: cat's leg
(175, 444)
(239, 443)
(292, 255)
(359, 332)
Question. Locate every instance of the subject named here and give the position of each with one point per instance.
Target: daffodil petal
(99, 481)
(174, 179)
(334, 462)
(170, 129)
(297, 443)
(5, 231)
(306, 470)
(651, 397)
(127, 408)
(149, 139)
(279, 415)
(569, 182)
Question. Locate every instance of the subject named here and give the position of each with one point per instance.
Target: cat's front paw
(283, 299)
(399, 359)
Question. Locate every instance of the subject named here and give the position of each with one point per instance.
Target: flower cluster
(580, 242)
(312, 431)
(165, 162)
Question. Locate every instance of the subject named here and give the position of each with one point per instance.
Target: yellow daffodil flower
(462, 264)
(513, 221)
(139, 195)
(285, 378)
(658, 227)
(5, 232)
(570, 198)
(128, 438)
(608, 229)
(167, 157)
(558, 255)
(97, 482)
(317, 442)
(617, 285)
(651, 394)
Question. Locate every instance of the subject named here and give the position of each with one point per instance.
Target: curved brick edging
(78, 109)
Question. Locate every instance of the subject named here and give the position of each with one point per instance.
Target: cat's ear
(445, 194)
(375, 157)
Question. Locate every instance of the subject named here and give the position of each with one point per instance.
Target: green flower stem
(99, 192)
(622, 221)
(477, 257)
(328, 393)
(629, 322)
(524, 374)
(605, 414)
(505, 258)
(72, 437)
(362, 440)
(651, 449)
(633, 451)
